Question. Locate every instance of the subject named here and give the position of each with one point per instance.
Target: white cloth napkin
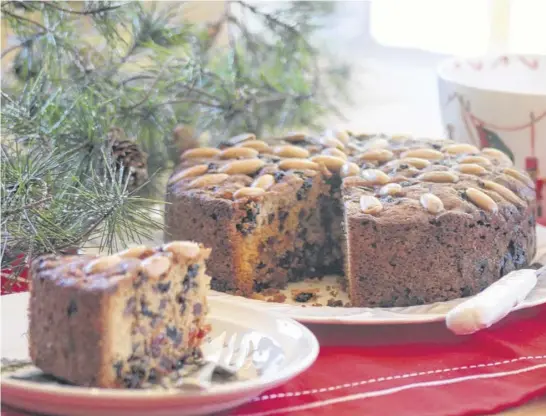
(499, 299)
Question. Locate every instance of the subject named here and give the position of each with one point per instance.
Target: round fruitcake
(406, 220)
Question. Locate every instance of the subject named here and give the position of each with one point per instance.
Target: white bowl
(497, 101)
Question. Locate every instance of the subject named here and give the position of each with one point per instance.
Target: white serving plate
(273, 336)
(434, 312)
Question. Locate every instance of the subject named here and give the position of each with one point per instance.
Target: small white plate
(307, 313)
(283, 338)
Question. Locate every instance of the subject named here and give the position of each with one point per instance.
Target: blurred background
(394, 46)
(398, 44)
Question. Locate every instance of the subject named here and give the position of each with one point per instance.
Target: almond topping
(504, 192)
(264, 182)
(349, 169)
(431, 203)
(332, 151)
(200, 153)
(478, 160)
(376, 143)
(329, 141)
(520, 177)
(238, 152)
(377, 155)
(481, 200)
(471, 169)
(291, 151)
(155, 266)
(248, 192)
(186, 249)
(438, 177)
(258, 145)
(244, 166)
(208, 180)
(496, 154)
(102, 264)
(136, 252)
(375, 177)
(459, 148)
(424, 153)
(391, 189)
(332, 163)
(196, 170)
(370, 205)
(288, 164)
(416, 162)
(341, 135)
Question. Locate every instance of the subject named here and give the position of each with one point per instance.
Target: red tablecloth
(472, 375)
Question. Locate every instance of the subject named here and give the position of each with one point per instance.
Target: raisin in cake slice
(118, 321)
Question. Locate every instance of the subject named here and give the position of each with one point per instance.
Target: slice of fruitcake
(118, 321)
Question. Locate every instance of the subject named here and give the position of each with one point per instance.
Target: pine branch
(270, 18)
(150, 89)
(191, 101)
(25, 19)
(62, 183)
(34, 204)
(235, 64)
(23, 44)
(78, 12)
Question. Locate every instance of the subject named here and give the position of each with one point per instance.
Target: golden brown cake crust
(425, 220)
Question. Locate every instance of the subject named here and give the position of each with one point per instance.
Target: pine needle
(142, 68)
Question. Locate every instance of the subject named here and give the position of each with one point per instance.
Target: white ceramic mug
(499, 102)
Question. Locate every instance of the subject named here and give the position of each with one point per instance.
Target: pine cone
(128, 156)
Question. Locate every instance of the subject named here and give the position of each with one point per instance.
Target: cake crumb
(335, 303)
(270, 291)
(316, 304)
(304, 295)
(334, 293)
(278, 298)
(257, 296)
